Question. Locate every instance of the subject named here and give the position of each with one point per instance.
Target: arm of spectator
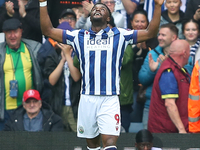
(80, 23)
(55, 75)
(88, 6)
(130, 5)
(190, 10)
(32, 20)
(146, 76)
(173, 112)
(197, 15)
(152, 29)
(3, 15)
(75, 73)
(10, 8)
(22, 10)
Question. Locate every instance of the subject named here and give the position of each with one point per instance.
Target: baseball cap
(31, 94)
(67, 12)
(11, 24)
(65, 26)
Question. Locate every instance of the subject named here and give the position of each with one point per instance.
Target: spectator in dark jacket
(27, 11)
(33, 115)
(193, 10)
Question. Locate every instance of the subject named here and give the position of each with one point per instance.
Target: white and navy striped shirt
(100, 56)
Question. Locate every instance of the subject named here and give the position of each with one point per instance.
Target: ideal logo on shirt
(98, 44)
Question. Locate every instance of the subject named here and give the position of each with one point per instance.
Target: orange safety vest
(194, 100)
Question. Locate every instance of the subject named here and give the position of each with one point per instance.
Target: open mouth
(97, 14)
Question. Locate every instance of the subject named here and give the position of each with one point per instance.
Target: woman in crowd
(139, 21)
(191, 32)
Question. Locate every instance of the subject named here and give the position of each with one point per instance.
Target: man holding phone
(19, 69)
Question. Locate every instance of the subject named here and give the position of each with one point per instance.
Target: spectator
(126, 8)
(193, 100)
(193, 10)
(68, 15)
(85, 23)
(27, 11)
(169, 100)
(65, 91)
(61, 91)
(174, 15)
(149, 7)
(100, 70)
(19, 68)
(191, 32)
(167, 34)
(139, 21)
(34, 115)
(145, 140)
(56, 7)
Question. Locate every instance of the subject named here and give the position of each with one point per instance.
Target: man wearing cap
(56, 7)
(19, 69)
(34, 115)
(69, 16)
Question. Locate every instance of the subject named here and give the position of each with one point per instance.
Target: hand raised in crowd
(154, 65)
(159, 2)
(10, 8)
(197, 15)
(22, 11)
(85, 12)
(88, 6)
(142, 45)
(67, 49)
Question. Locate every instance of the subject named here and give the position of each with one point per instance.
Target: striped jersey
(119, 7)
(100, 56)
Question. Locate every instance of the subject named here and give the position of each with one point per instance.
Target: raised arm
(130, 6)
(152, 29)
(46, 25)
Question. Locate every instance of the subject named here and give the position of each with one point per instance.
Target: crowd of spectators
(31, 61)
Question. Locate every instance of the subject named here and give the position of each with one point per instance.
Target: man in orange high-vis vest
(194, 100)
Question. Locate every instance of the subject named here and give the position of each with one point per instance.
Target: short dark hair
(189, 20)
(111, 22)
(105, 6)
(139, 11)
(170, 26)
(144, 136)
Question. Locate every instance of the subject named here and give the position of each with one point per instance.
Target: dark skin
(99, 18)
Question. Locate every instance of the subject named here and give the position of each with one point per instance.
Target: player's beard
(97, 20)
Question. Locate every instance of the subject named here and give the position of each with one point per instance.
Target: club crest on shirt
(80, 129)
